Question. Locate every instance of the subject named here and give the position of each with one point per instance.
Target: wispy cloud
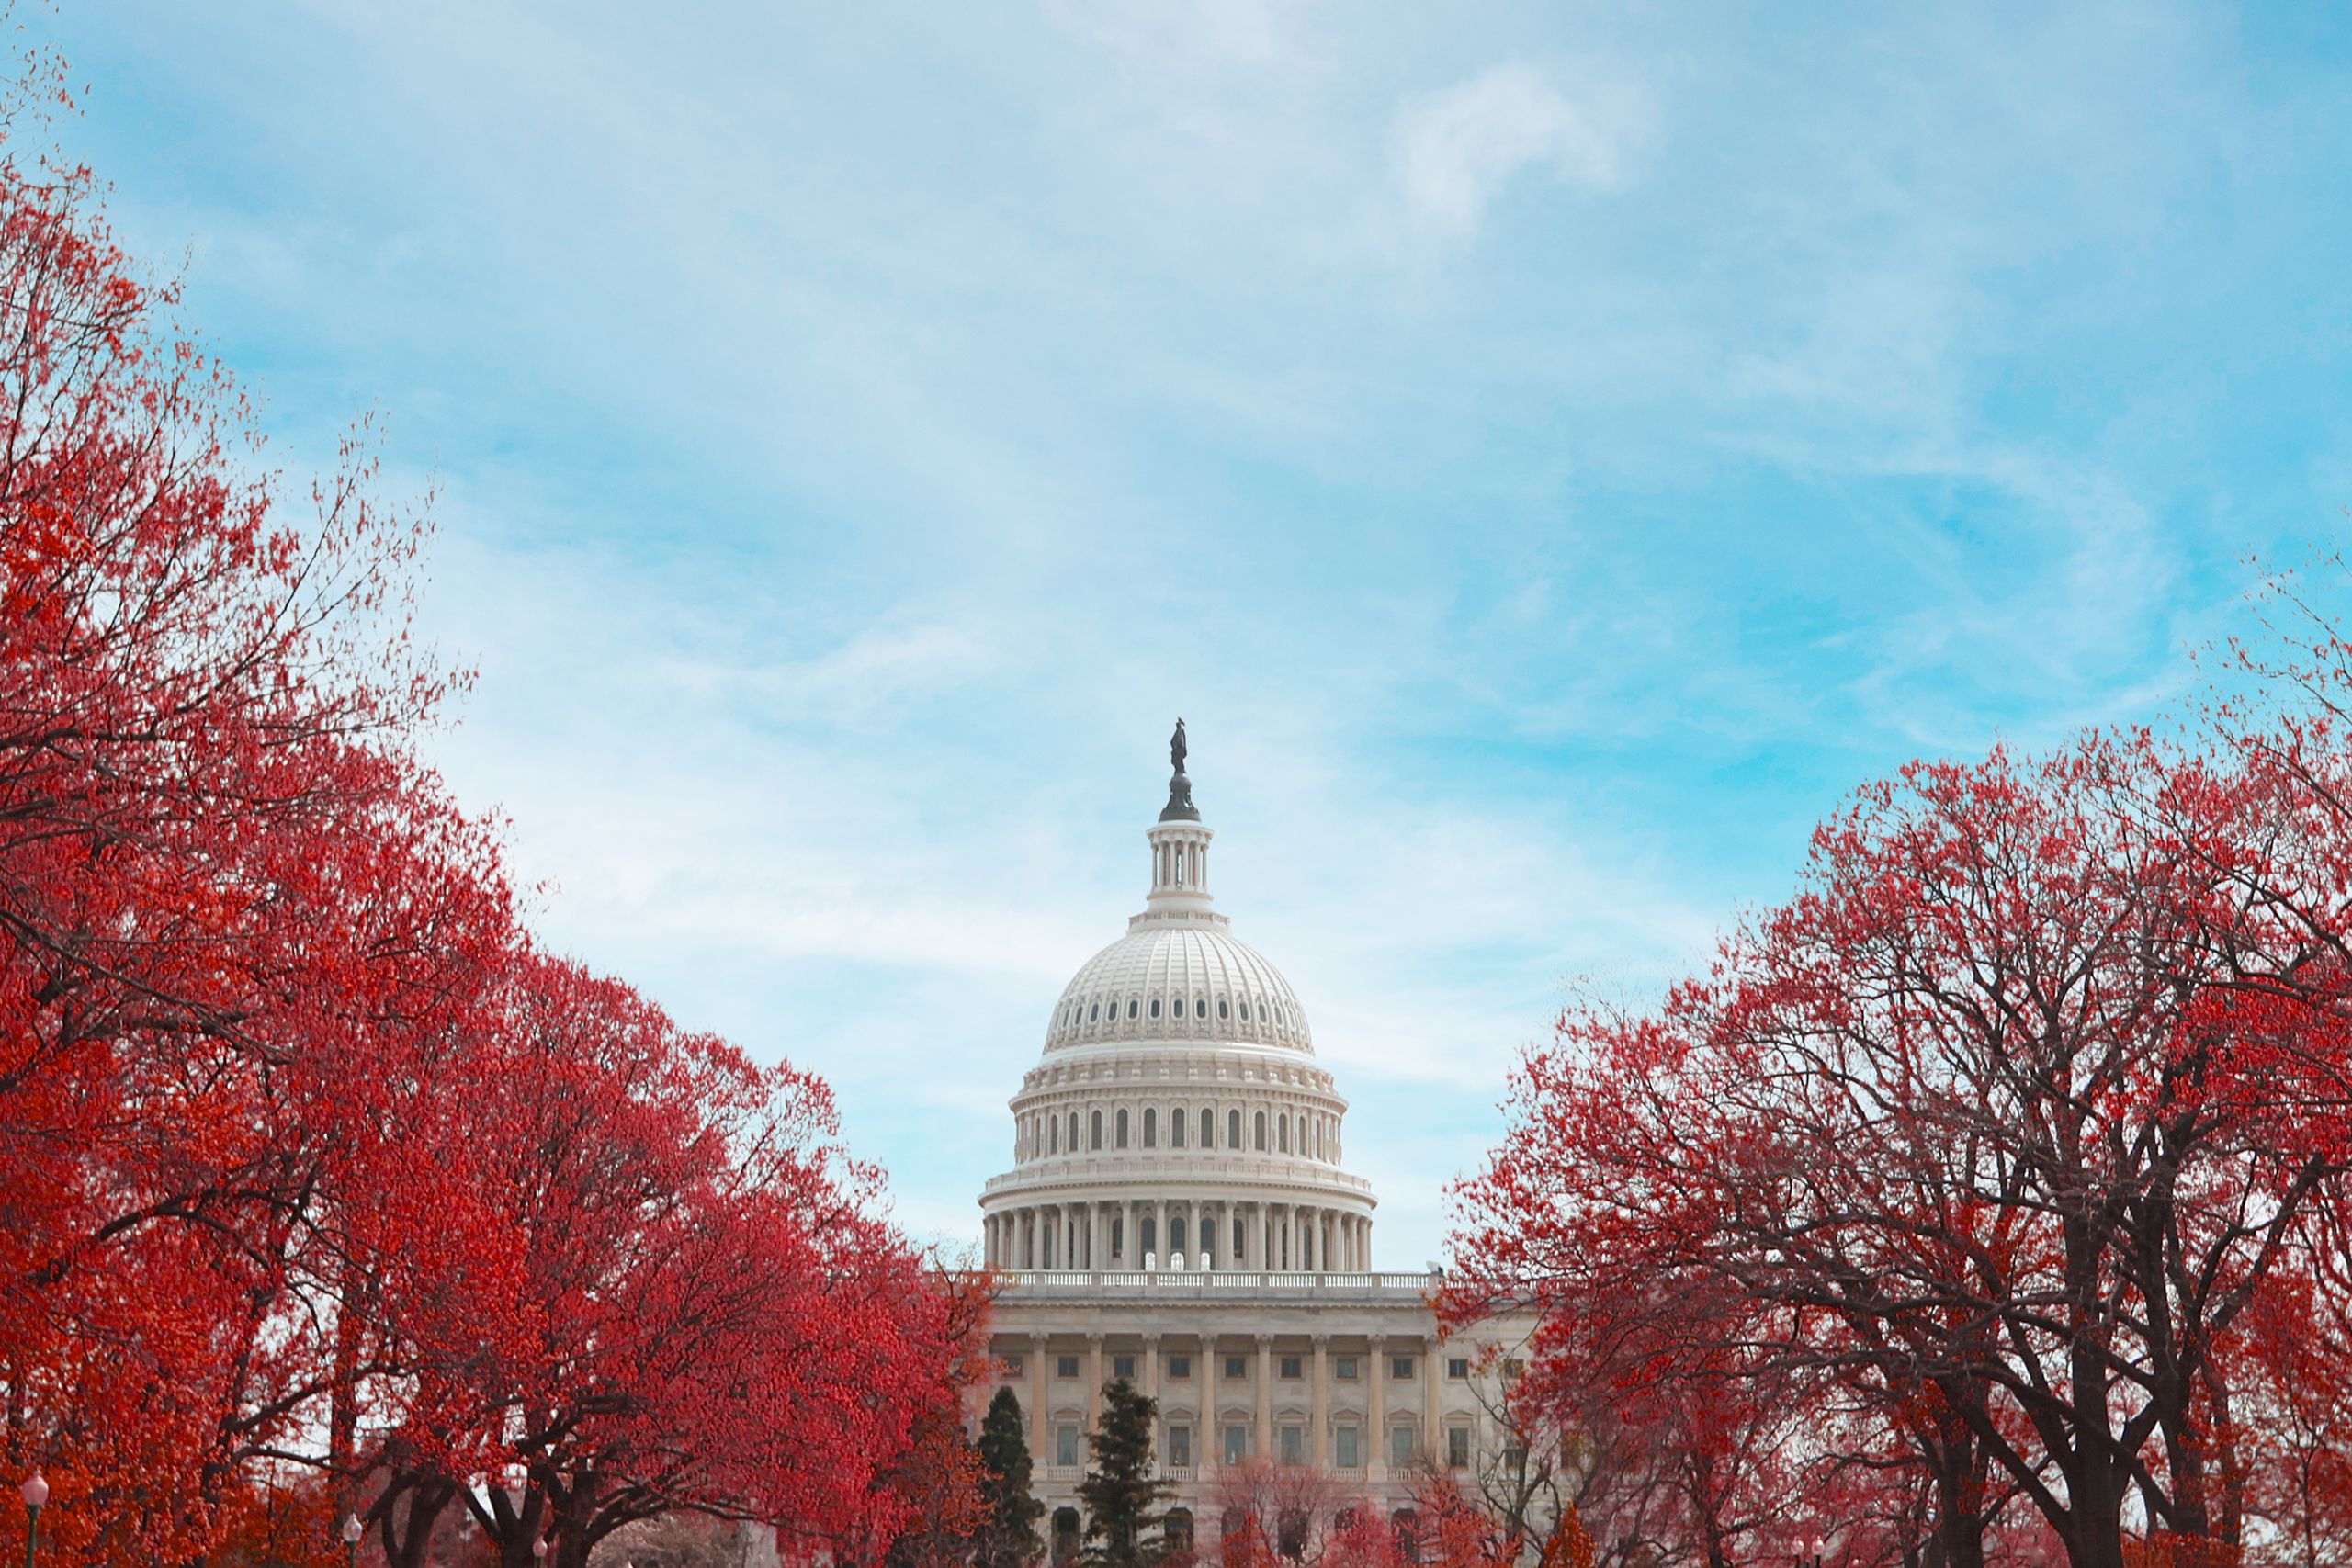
(1456, 150)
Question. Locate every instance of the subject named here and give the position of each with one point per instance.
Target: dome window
(1262, 1132)
(1245, 1012)
(1176, 1128)
(1201, 1008)
(1155, 1006)
(1093, 1012)
(1094, 1133)
(1123, 1129)
(1208, 1127)
(1233, 1129)
(1150, 1128)
(1224, 1010)
(1131, 1007)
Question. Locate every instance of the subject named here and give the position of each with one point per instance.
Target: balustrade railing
(1214, 1282)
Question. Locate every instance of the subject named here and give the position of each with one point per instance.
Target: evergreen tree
(1121, 1493)
(1009, 1536)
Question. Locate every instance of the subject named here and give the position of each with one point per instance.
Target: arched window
(1208, 1127)
(1118, 1235)
(1237, 1237)
(1150, 1127)
(1233, 1129)
(1121, 1132)
(1053, 1135)
(1176, 1529)
(1176, 1128)
(1094, 1133)
(1262, 1132)
(1175, 1233)
(1281, 1134)
(1150, 1237)
(1073, 1131)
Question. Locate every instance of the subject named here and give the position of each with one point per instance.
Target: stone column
(1211, 1433)
(1318, 1436)
(1098, 1242)
(1040, 1435)
(1159, 1229)
(1266, 1396)
(1432, 1374)
(1151, 1370)
(1376, 1408)
(1192, 1241)
(1093, 1382)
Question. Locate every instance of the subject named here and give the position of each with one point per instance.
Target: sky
(1550, 454)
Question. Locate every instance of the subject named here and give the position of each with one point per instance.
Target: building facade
(1179, 1214)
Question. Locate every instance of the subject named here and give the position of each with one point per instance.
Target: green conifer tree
(1121, 1493)
(1009, 1536)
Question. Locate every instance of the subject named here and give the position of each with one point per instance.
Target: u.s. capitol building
(1179, 1214)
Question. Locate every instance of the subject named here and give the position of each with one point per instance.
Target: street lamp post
(352, 1532)
(35, 1492)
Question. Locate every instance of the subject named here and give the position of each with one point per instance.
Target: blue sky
(1548, 453)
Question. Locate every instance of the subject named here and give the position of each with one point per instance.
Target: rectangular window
(1291, 1368)
(1400, 1446)
(1400, 1367)
(1347, 1367)
(1065, 1445)
(1013, 1366)
(1180, 1367)
(1457, 1367)
(1179, 1445)
(1237, 1366)
(1349, 1452)
(1124, 1366)
(1457, 1448)
(1514, 1369)
(1236, 1444)
(1066, 1366)
(1294, 1445)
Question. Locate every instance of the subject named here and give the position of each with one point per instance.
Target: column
(1193, 1232)
(1209, 1442)
(1159, 1229)
(1318, 1437)
(1376, 1408)
(1266, 1396)
(1432, 1370)
(1151, 1370)
(1098, 1237)
(1093, 1382)
(1040, 1438)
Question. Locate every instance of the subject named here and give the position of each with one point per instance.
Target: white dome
(1190, 982)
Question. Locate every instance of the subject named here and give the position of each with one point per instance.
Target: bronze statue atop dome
(1180, 807)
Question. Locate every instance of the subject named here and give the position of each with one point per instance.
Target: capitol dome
(1166, 982)
(1178, 1120)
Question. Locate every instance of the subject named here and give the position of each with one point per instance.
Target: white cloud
(1457, 149)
